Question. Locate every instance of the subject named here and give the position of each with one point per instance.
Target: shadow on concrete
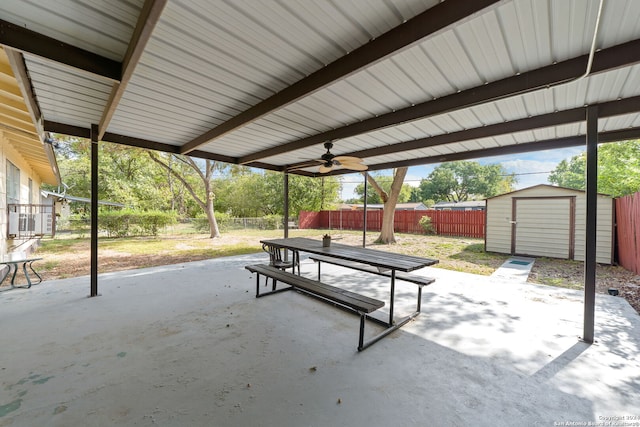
(190, 345)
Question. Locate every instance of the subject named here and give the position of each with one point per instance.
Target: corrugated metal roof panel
(208, 61)
(229, 48)
(65, 95)
(619, 122)
(101, 27)
(394, 83)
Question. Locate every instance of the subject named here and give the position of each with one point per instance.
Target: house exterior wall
(549, 205)
(13, 247)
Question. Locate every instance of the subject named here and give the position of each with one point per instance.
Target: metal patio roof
(397, 82)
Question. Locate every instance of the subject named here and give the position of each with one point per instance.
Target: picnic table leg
(393, 292)
(296, 261)
(361, 337)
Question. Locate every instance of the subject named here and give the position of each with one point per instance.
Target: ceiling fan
(329, 161)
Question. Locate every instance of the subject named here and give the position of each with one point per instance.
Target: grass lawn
(69, 256)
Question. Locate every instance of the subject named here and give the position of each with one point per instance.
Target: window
(13, 183)
(30, 199)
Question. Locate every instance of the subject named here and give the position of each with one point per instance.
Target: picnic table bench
(13, 265)
(418, 280)
(352, 301)
(379, 262)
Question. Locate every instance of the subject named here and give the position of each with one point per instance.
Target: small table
(13, 265)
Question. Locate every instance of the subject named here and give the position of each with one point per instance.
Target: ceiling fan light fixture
(347, 162)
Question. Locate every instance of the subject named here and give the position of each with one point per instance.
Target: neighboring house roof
(17, 125)
(459, 205)
(67, 197)
(399, 206)
(550, 187)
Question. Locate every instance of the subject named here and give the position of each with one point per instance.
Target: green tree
(384, 182)
(197, 178)
(262, 193)
(124, 174)
(390, 199)
(618, 169)
(465, 180)
(147, 180)
(570, 173)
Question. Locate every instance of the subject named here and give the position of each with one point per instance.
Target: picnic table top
(374, 257)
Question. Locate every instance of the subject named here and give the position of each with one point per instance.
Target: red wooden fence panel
(628, 231)
(309, 220)
(446, 223)
(459, 223)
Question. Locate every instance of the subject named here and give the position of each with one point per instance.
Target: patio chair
(276, 260)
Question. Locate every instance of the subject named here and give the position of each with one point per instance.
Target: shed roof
(551, 188)
(264, 84)
(465, 204)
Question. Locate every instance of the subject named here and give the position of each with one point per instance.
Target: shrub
(427, 225)
(272, 222)
(201, 222)
(132, 223)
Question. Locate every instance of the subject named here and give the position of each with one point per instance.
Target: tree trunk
(207, 203)
(387, 234)
(213, 224)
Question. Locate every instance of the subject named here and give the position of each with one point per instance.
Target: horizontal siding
(537, 250)
(542, 227)
(604, 229)
(498, 238)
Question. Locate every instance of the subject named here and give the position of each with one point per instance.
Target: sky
(530, 168)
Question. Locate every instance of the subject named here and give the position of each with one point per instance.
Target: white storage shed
(548, 221)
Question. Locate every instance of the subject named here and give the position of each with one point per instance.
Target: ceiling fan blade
(325, 169)
(355, 166)
(347, 159)
(303, 165)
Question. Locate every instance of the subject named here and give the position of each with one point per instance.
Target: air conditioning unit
(24, 225)
(42, 223)
(14, 223)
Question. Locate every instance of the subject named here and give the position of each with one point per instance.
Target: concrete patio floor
(189, 345)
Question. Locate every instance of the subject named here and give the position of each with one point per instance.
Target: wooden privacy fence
(446, 223)
(628, 230)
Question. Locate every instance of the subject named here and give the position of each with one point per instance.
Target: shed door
(543, 227)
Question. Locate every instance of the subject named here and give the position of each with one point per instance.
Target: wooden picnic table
(381, 259)
(388, 262)
(13, 266)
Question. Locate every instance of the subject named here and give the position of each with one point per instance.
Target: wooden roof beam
(404, 35)
(527, 147)
(28, 41)
(19, 69)
(147, 21)
(574, 115)
(605, 60)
